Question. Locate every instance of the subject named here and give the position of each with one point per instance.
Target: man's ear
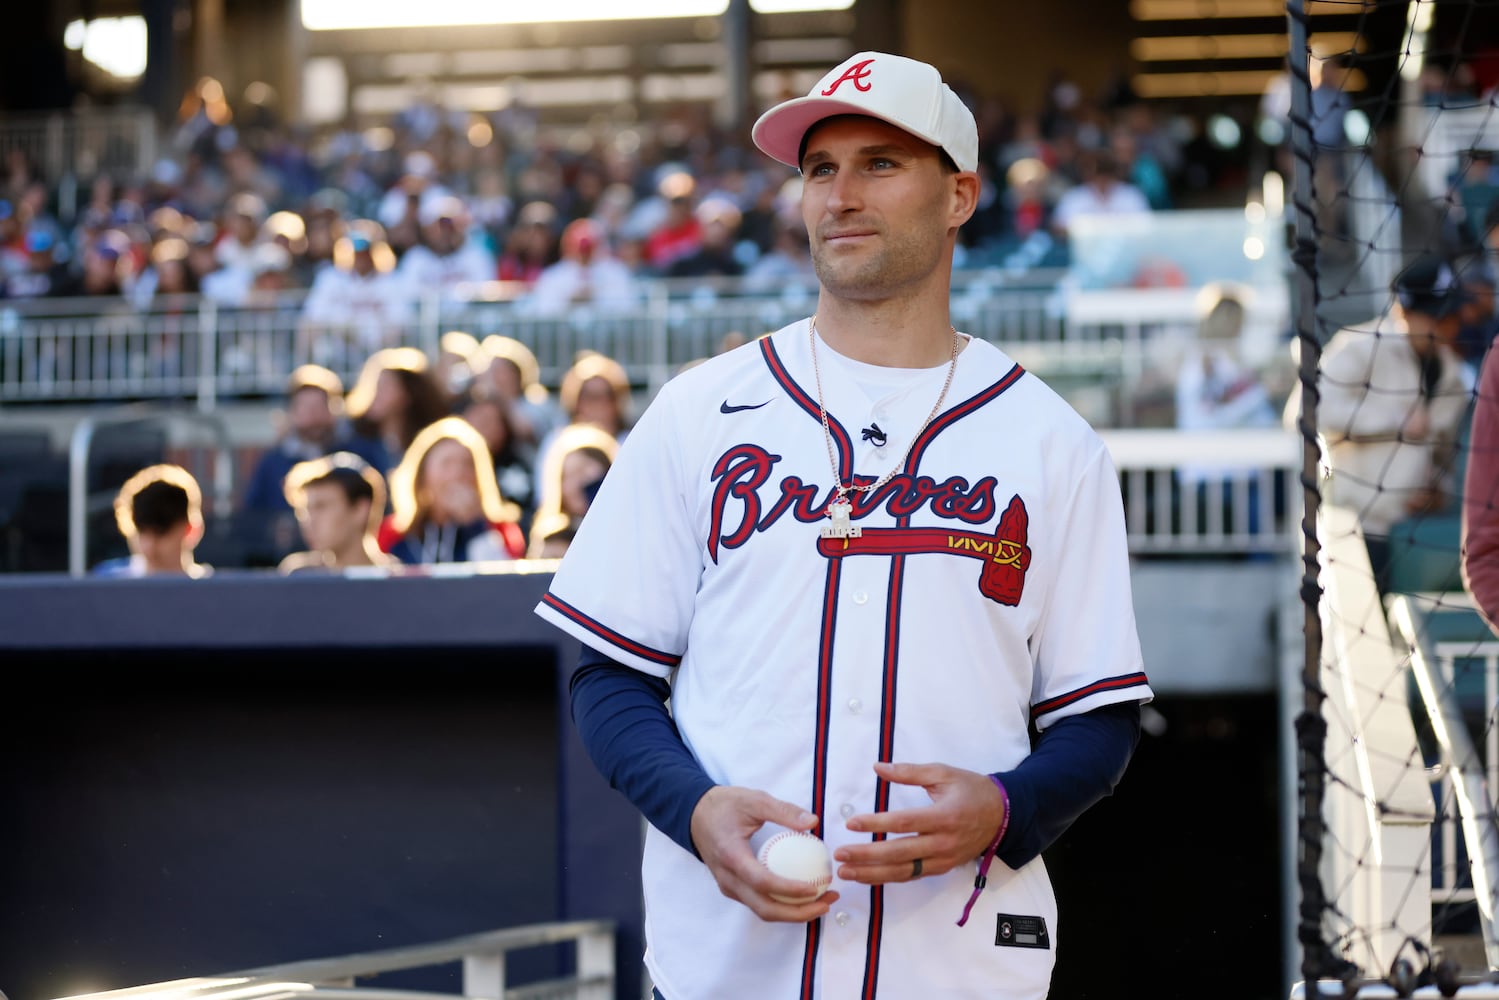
(965, 198)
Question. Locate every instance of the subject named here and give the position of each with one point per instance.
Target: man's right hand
(722, 824)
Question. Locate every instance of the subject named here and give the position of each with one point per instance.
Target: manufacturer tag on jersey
(1012, 931)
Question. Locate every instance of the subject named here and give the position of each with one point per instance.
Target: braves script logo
(857, 74)
(739, 512)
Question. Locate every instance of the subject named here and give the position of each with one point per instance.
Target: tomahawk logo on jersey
(1000, 571)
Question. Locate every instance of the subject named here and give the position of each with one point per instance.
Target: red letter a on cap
(856, 74)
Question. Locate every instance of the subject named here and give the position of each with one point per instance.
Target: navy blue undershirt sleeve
(1076, 762)
(622, 718)
(623, 721)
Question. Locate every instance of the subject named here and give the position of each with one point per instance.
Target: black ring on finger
(916, 868)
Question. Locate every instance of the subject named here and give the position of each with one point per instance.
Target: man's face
(330, 523)
(877, 205)
(597, 404)
(310, 414)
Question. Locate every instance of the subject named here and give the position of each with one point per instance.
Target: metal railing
(1208, 492)
(1467, 772)
(483, 957)
(189, 347)
(82, 143)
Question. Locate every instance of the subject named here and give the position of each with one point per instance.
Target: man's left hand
(959, 825)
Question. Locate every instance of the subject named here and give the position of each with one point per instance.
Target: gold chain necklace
(839, 509)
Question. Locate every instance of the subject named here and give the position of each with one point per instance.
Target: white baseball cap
(908, 94)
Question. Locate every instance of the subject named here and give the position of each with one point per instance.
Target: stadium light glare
(347, 15)
(116, 45)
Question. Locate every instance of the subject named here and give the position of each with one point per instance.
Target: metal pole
(78, 449)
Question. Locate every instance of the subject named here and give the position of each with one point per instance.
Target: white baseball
(801, 856)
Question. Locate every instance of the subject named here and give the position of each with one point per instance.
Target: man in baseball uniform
(862, 558)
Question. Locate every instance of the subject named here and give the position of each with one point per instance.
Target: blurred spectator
(166, 275)
(1477, 189)
(106, 263)
(1139, 167)
(1479, 320)
(313, 425)
(340, 504)
(1215, 390)
(159, 510)
(358, 302)
(509, 369)
(1101, 192)
(575, 468)
(202, 260)
(401, 207)
(1029, 197)
(243, 217)
(289, 231)
(530, 245)
(448, 262)
(397, 395)
(446, 504)
(44, 276)
(595, 391)
(1392, 399)
(680, 232)
(716, 253)
(585, 275)
(513, 460)
(788, 263)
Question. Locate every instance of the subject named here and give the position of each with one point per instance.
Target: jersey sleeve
(1086, 647)
(627, 583)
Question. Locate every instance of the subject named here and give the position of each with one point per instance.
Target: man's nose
(846, 193)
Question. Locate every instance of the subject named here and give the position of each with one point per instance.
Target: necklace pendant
(839, 525)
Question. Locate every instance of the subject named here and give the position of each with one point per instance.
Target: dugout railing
(482, 958)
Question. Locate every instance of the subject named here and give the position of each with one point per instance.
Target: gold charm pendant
(838, 525)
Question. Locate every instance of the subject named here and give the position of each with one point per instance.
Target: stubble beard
(894, 265)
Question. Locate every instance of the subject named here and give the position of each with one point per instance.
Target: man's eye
(822, 169)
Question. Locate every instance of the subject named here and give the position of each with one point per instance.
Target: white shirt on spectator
(376, 307)
(1120, 198)
(605, 282)
(423, 270)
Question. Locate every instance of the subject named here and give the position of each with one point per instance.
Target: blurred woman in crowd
(513, 460)
(575, 467)
(396, 396)
(509, 370)
(446, 504)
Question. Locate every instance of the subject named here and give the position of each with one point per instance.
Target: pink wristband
(988, 856)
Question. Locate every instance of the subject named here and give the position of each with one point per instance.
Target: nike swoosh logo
(724, 407)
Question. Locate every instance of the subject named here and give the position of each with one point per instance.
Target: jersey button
(855, 705)
(860, 597)
(846, 810)
(842, 919)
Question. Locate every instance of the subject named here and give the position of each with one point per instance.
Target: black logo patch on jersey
(1011, 931)
(724, 407)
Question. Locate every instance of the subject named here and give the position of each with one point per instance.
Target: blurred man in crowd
(159, 510)
(340, 502)
(447, 260)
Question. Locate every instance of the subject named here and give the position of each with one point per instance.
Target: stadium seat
(1424, 554)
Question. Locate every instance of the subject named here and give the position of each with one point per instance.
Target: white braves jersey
(988, 589)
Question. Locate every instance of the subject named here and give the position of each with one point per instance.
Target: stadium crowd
(361, 219)
(472, 460)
